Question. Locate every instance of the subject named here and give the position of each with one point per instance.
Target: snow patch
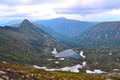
(50, 59)
(110, 53)
(61, 59)
(74, 68)
(117, 59)
(54, 51)
(96, 71)
(81, 54)
(56, 62)
(84, 63)
(37, 67)
(89, 72)
(116, 69)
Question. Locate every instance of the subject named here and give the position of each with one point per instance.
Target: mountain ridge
(26, 44)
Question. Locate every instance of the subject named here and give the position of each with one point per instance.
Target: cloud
(93, 10)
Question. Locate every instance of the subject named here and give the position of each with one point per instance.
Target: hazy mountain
(106, 34)
(52, 33)
(26, 43)
(66, 27)
(10, 22)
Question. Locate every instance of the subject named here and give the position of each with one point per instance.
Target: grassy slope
(35, 74)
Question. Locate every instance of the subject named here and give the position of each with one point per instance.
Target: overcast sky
(84, 10)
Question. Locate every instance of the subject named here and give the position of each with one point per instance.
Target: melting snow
(56, 62)
(118, 59)
(116, 69)
(50, 59)
(37, 67)
(54, 51)
(81, 54)
(71, 69)
(96, 71)
(110, 53)
(84, 63)
(61, 59)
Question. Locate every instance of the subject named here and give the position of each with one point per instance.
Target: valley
(93, 50)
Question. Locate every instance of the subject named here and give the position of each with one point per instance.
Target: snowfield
(74, 68)
(54, 51)
(81, 54)
(71, 69)
(84, 63)
(96, 71)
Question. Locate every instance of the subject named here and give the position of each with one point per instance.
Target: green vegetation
(35, 74)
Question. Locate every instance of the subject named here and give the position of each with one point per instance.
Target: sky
(83, 10)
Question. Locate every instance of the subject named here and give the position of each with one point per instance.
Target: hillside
(106, 34)
(26, 44)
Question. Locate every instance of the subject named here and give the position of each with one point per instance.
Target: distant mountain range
(79, 33)
(66, 27)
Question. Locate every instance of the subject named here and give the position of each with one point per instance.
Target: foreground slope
(26, 43)
(16, 72)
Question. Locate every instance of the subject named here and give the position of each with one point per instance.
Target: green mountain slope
(106, 34)
(26, 44)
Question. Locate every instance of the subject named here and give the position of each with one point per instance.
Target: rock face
(68, 53)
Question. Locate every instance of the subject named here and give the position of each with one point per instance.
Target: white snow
(117, 59)
(54, 51)
(96, 71)
(56, 62)
(71, 69)
(110, 53)
(37, 67)
(49, 59)
(84, 63)
(61, 59)
(4, 62)
(51, 69)
(99, 71)
(81, 54)
(116, 69)
(89, 72)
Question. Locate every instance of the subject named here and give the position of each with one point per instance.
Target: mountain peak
(26, 23)
(25, 20)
